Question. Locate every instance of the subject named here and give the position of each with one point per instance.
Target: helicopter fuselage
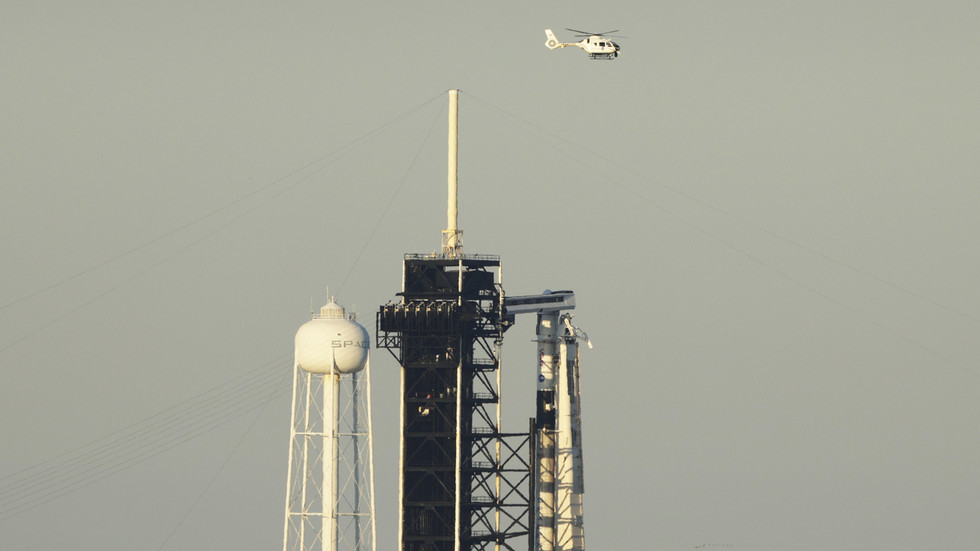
(599, 47)
(596, 45)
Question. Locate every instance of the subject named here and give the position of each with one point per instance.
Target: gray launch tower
(464, 484)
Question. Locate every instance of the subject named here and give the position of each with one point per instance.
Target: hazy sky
(767, 212)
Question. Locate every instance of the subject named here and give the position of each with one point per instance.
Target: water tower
(330, 484)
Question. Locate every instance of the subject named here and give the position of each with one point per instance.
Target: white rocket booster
(557, 470)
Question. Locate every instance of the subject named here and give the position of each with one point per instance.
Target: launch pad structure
(464, 483)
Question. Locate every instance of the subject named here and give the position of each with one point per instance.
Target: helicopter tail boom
(552, 41)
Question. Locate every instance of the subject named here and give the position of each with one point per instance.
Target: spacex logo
(350, 344)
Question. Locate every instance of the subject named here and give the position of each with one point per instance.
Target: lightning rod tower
(463, 481)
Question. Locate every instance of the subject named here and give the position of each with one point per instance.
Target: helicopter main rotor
(587, 34)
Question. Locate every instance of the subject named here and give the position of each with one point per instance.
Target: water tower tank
(330, 339)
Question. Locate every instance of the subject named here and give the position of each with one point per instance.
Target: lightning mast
(452, 236)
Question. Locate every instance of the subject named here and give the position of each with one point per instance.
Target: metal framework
(464, 483)
(330, 481)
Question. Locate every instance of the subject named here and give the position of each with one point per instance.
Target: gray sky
(767, 212)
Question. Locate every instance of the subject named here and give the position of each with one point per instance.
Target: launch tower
(464, 483)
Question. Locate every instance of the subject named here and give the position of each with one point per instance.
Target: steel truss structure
(330, 481)
(464, 483)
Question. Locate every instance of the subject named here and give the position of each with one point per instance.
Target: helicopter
(594, 44)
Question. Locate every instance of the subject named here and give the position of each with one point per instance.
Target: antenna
(452, 237)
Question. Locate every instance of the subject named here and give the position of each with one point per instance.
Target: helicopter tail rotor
(552, 41)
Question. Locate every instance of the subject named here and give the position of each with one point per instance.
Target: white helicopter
(594, 44)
